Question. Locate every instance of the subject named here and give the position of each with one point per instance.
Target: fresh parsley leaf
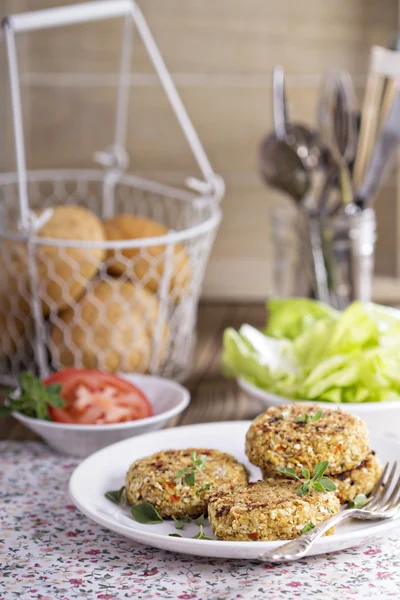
(287, 471)
(201, 535)
(307, 527)
(174, 535)
(115, 495)
(33, 398)
(146, 513)
(358, 502)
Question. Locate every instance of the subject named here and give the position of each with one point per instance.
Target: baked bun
(146, 264)
(110, 329)
(63, 273)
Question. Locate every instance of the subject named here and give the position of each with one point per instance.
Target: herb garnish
(307, 527)
(115, 495)
(188, 474)
(180, 523)
(33, 398)
(201, 535)
(317, 482)
(174, 535)
(358, 502)
(146, 513)
(307, 418)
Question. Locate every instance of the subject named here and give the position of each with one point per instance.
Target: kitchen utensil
(387, 142)
(106, 470)
(281, 168)
(369, 118)
(337, 124)
(279, 103)
(382, 505)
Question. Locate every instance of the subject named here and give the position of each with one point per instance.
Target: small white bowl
(167, 398)
(382, 418)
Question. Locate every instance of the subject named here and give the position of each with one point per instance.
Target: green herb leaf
(320, 469)
(189, 479)
(34, 398)
(358, 502)
(179, 474)
(174, 535)
(317, 416)
(199, 520)
(309, 418)
(305, 473)
(317, 486)
(113, 495)
(302, 419)
(328, 484)
(201, 535)
(179, 524)
(304, 489)
(287, 471)
(307, 527)
(207, 486)
(146, 513)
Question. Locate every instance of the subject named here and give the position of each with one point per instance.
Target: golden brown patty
(153, 479)
(276, 439)
(360, 480)
(268, 510)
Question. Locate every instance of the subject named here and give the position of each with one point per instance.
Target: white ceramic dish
(106, 470)
(382, 418)
(167, 398)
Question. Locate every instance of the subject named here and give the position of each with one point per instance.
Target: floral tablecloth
(49, 550)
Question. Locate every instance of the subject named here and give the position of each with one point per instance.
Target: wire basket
(121, 292)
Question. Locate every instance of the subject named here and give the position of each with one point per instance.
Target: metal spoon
(281, 168)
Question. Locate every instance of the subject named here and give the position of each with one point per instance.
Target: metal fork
(384, 503)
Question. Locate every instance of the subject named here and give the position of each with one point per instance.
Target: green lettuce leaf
(289, 317)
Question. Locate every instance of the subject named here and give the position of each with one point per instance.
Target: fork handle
(300, 546)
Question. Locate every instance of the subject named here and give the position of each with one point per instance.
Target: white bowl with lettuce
(312, 353)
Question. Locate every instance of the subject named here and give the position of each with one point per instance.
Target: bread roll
(111, 328)
(146, 264)
(63, 273)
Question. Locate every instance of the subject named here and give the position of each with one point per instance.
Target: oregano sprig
(318, 482)
(187, 475)
(308, 418)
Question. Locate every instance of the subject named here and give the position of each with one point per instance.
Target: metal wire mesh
(124, 305)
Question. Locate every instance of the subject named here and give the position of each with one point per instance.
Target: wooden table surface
(214, 398)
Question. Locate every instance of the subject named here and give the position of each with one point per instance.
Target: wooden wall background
(220, 53)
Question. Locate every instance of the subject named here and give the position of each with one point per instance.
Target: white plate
(382, 418)
(106, 470)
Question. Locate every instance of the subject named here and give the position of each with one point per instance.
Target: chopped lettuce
(312, 352)
(289, 317)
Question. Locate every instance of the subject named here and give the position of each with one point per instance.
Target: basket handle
(95, 11)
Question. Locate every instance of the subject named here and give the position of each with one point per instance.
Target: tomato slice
(93, 397)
